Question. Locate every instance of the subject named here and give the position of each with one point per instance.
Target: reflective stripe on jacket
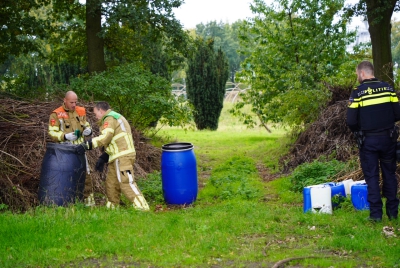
(373, 106)
(62, 122)
(115, 136)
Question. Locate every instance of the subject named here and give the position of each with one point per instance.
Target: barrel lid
(177, 146)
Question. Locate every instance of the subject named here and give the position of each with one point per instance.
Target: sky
(194, 12)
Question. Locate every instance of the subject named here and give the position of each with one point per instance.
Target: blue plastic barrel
(338, 192)
(306, 199)
(359, 196)
(179, 173)
(63, 174)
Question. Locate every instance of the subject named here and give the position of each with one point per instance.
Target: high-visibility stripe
(121, 124)
(126, 152)
(113, 150)
(102, 136)
(140, 203)
(54, 128)
(56, 134)
(379, 98)
(130, 177)
(117, 170)
(110, 205)
(375, 101)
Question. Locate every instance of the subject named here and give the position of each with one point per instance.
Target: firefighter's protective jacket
(63, 121)
(115, 136)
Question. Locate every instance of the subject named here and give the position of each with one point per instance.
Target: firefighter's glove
(87, 131)
(103, 159)
(84, 146)
(70, 136)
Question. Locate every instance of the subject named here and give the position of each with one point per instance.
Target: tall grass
(238, 220)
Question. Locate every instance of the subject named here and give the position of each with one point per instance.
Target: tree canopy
(20, 27)
(226, 37)
(379, 14)
(294, 46)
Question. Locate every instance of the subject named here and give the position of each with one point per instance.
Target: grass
(238, 220)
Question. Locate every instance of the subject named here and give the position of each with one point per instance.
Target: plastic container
(179, 173)
(307, 199)
(359, 196)
(347, 186)
(317, 199)
(63, 174)
(338, 192)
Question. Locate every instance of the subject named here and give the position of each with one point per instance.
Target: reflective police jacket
(115, 136)
(63, 121)
(373, 106)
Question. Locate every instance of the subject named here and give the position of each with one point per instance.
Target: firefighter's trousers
(120, 178)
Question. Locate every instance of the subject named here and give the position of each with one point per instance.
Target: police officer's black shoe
(374, 220)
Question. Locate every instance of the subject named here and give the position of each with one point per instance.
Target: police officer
(373, 109)
(63, 123)
(116, 138)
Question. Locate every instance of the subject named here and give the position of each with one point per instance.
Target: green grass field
(238, 220)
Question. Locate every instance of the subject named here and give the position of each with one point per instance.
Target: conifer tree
(206, 77)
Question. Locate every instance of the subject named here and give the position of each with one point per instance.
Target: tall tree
(206, 77)
(142, 16)
(293, 47)
(379, 14)
(95, 42)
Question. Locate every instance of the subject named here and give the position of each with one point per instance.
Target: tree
(379, 14)
(293, 47)
(19, 27)
(225, 37)
(206, 77)
(139, 95)
(94, 40)
(141, 16)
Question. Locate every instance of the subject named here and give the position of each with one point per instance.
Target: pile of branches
(23, 139)
(327, 136)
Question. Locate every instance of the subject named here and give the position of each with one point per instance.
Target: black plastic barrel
(179, 173)
(63, 174)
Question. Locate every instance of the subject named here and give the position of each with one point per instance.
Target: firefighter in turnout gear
(372, 111)
(68, 124)
(116, 139)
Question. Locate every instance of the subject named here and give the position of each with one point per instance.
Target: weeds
(314, 173)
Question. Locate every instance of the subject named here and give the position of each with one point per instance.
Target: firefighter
(68, 124)
(119, 151)
(372, 111)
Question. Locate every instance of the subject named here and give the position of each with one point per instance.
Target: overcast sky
(194, 12)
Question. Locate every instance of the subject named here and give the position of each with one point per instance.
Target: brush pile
(328, 136)
(23, 138)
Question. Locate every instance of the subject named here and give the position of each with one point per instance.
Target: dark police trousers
(380, 151)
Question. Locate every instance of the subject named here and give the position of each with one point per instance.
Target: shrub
(314, 173)
(142, 97)
(151, 188)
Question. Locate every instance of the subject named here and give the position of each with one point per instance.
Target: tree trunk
(95, 44)
(380, 32)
